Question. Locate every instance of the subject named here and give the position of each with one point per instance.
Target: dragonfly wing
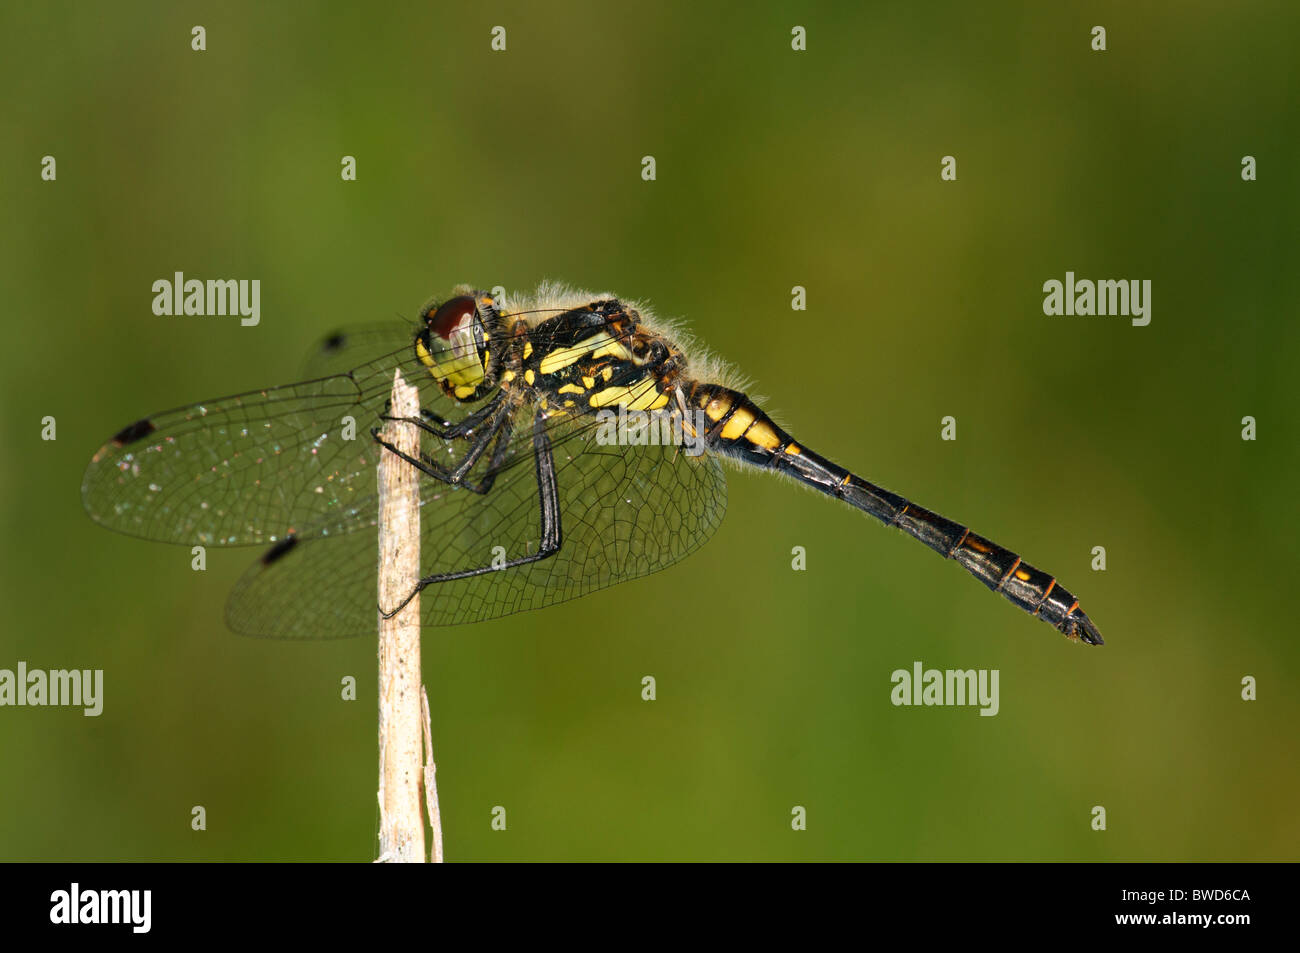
(625, 512)
(253, 468)
(340, 351)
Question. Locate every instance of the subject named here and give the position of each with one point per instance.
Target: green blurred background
(775, 169)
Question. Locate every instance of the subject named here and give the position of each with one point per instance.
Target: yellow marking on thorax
(645, 397)
(650, 400)
(610, 395)
(612, 349)
(529, 376)
(465, 390)
(528, 350)
(639, 396)
(590, 382)
(508, 376)
(572, 389)
(562, 358)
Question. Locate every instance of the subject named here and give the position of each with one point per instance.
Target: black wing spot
(133, 432)
(279, 549)
(334, 342)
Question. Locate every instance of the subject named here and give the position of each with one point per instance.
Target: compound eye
(456, 323)
(452, 315)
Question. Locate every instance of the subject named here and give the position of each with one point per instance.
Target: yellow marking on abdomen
(1022, 575)
(737, 424)
(763, 434)
(717, 408)
(465, 390)
(793, 450)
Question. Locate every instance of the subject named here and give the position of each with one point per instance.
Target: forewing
(253, 468)
(340, 351)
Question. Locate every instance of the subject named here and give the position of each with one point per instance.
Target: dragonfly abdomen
(738, 428)
(1001, 570)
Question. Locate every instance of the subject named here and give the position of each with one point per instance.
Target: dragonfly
(567, 442)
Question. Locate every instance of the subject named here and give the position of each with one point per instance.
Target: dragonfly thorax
(594, 358)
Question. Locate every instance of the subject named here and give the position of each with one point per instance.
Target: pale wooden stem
(401, 826)
(431, 782)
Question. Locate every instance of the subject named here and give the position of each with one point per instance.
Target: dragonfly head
(455, 344)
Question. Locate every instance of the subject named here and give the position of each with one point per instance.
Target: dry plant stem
(401, 825)
(431, 782)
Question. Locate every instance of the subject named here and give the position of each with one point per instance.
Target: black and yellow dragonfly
(566, 445)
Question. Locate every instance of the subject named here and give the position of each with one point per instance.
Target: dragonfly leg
(498, 458)
(441, 427)
(453, 475)
(484, 486)
(551, 533)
